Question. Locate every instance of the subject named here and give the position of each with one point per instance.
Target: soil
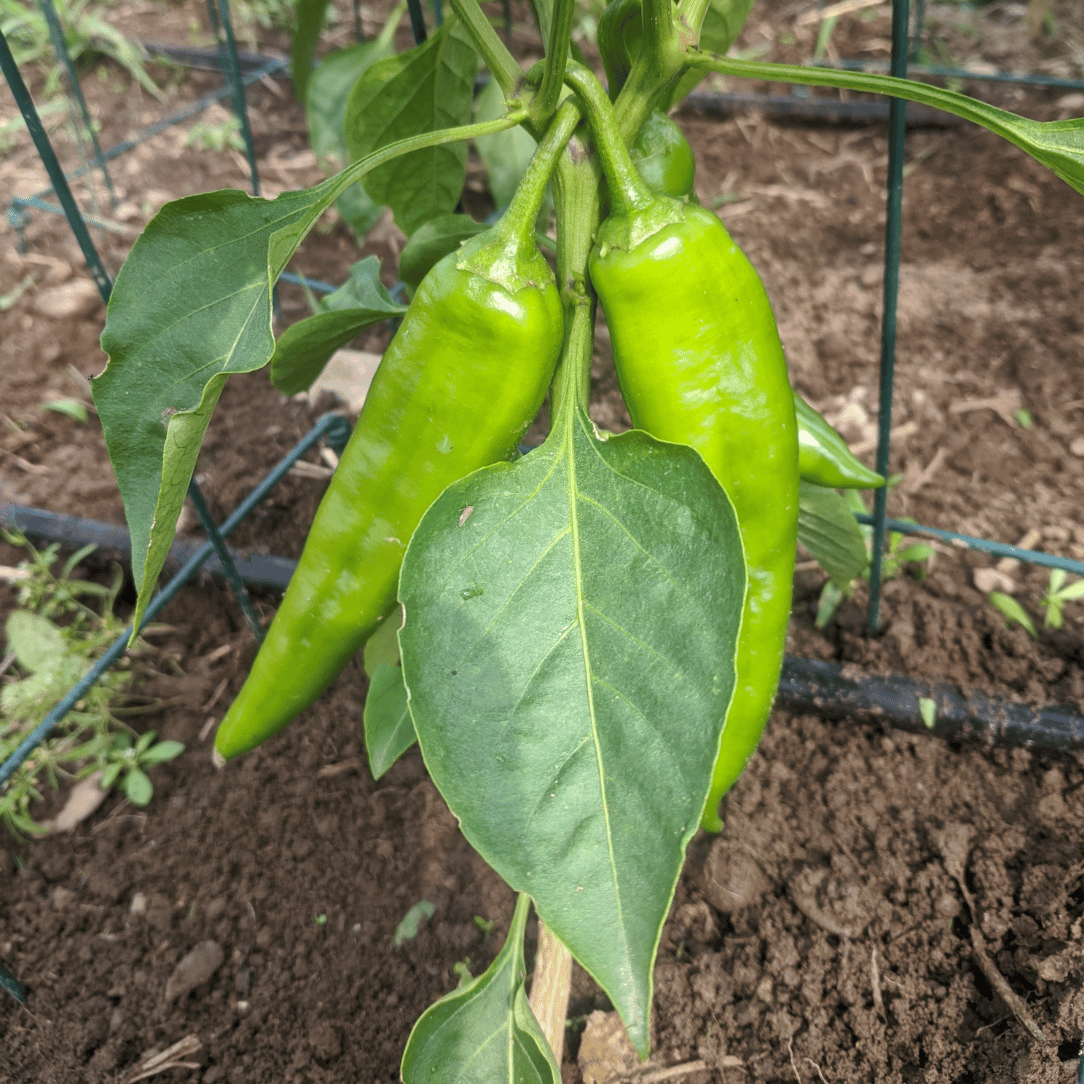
(876, 900)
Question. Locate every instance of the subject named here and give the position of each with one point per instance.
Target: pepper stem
(575, 185)
(517, 222)
(627, 189)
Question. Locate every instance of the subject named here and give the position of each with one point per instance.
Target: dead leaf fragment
(80, 297)
(194, 970)
(85, 798)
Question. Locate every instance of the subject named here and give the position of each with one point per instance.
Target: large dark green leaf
(325, 101)
(427, 88)
(191, 305)
(571, 622)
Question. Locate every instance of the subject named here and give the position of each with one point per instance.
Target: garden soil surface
(880, 907)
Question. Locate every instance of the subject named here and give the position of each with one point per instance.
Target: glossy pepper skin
(458, 385)
(699, 362)
(823, 456)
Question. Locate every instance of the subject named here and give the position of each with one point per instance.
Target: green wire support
(219, 12)
(984, 545)
(12, 985)
(417, 21)
(897, 135)
(332, 426)
(60, 47)
(229, 569)
(52, 167)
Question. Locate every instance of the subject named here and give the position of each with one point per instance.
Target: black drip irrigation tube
(807, 685)
(844, 692)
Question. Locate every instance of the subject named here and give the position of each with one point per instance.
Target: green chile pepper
(823, 456)
(699, 362)
(663, 157)
(459, 384)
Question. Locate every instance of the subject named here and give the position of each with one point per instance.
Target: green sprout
(1012, 611)
(1058, 593)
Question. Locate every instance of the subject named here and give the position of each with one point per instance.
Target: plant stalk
(551, 985)
(576, 195)
(627, 189)
(522, 212)
(356, 170)
(502, 65)
(1058, 145)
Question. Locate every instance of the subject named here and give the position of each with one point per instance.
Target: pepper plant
(590, 634)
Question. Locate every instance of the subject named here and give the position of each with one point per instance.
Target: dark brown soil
(873, 895)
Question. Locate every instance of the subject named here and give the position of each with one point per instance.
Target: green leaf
(1072, 592)
(571, 623)
(325, 104)
(383, 645)
(163, 751)
(33, 697)
(38, 644)
(915, 553)
(389, 730)
(109, 774)
(308, 22)
(427, 88)
(1012, 611)
(485, 1032)
(431, 242)
(191, 305)
(137, 787)
(412, 921)
(506, 155)
(305, 348)
(828, 529)
(831, 598)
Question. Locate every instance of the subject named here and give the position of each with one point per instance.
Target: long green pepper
(699, 362)
(457, 387)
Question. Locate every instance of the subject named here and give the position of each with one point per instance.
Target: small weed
(70, 408)
(1058, 593)
(1013, 612)
(52, 640)
(216, 136)
(86, 36)
(898, 554)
